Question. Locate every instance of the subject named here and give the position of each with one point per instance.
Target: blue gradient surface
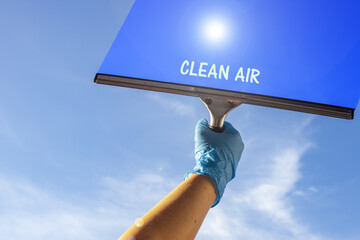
(302, 50)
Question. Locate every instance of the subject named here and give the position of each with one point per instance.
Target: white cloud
(144, 189)
(260, 206)
(175, 106)
(257, 205)
(313, 189)
(307, 193)
(30, 212)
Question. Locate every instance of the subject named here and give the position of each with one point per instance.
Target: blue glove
(217, 154)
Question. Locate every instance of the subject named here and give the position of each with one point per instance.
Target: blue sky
(80, 160)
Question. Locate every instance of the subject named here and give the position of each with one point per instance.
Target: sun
(216, 31)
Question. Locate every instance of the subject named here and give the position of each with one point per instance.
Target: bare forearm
(179, 215)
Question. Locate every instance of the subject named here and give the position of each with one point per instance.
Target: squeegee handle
(217, 123)
(218, 108)
(217, 129)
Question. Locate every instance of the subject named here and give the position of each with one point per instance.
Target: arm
(180, 214)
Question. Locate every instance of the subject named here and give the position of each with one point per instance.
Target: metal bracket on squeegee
(219, 108)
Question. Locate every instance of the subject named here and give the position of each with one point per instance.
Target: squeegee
(294, 55)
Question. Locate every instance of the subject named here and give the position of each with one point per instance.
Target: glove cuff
(207, 165)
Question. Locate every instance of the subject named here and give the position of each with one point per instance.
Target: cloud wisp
(257, 205)
(31, 212)
(262, 207)
(173, 105)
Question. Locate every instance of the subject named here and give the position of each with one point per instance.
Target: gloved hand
(217, 154)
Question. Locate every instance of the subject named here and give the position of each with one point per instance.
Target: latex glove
(217, 154)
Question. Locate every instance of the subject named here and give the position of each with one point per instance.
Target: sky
(82, 160)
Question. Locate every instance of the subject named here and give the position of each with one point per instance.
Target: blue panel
(304, 50)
